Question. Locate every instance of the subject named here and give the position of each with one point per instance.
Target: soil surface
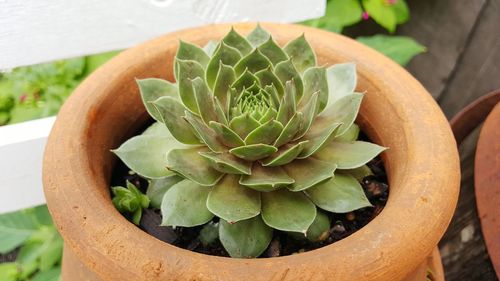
(343, 225)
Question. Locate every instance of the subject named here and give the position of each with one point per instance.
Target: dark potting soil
(342, 225)
(375, 187)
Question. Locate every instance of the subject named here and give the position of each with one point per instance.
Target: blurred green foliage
(386, 13)
(38, 91)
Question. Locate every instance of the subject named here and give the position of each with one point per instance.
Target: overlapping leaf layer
(253, 134)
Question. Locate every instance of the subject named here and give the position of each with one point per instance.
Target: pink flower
(22, 98)
(391, 2)
(365, 15)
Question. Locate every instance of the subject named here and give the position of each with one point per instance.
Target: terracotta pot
(397, 112)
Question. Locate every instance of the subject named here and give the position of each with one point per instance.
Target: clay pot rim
(446, 165)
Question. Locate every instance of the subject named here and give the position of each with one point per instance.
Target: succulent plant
(256, 135)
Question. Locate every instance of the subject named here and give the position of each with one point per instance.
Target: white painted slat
(35, 31)
(21, 154)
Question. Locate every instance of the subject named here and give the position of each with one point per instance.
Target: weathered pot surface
(106, 109)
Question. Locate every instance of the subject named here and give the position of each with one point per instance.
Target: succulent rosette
(254, 134)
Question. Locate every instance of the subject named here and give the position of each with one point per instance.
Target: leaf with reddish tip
(258, 36)
(188, 70)
(286, 72)
(184, 204)
(171, 113)
(153, 88)
(308, 172)
(206, 134)
(191, 165)
(254, 62)
(265, 133)
(287, 211)
(224, 54)
(341, 194)
(233, 202)
(350, 155)
(301, 53)
(285, 154)
(245, 239)
(253, 152)
(243, 125)
(228, 163)
(235, 40)
(273, 52)
(266, 178)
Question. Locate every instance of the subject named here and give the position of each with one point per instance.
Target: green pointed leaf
(233, 202)
(227, 163)
(153, 88)
(226, 136)
(343, 111)
(184, 204)
(171, 113)
(382, 13)
(318, 137)
(287, 211)
(157, 128)
(341, 194)
(15, 229)
(401, 49)
(191, 165)
(244, 81)
(320, 228)
(204, 100)
(341, 81)
(265, 133)
(301, 53)
(146, 154)
(309, 172)
(235, 40)
(258, 36)
(206, 134)
(286, 71)
(253, 152)
(343, 13)
(224, 54)
(243, 125)
(350, 155)
(221, 113)
(350, 135)
(188, 70)
(285, 154)
(210, 47)
(270, 114)
(158, 187)
(401, 11)
(288, 106)
(274, 95)
(225, 78)
(188, 51)
(266, 178)
(209, 234)
(267, 77)
(245, 239)
(359, 173)
(290, 130)
(315, 82)
(254, 62)
(310, 110)
(273, 52)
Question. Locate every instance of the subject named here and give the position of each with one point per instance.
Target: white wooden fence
(35, 31)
